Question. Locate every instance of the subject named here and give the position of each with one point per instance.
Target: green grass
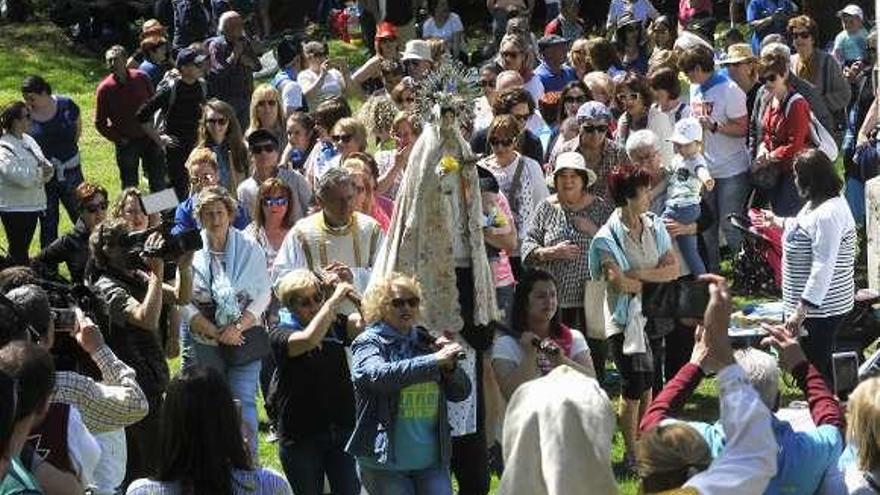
(41, 49)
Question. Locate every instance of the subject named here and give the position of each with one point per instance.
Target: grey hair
(642, 139)
(762, 372)
(211, 194)
(333, 178)
(222, 24)
(115, 51)
(778, 48)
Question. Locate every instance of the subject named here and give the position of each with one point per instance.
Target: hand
(706, 121)
(764, 218)
(793, 323)
(447, 356)
(339, 272)
(790, 352)
(47, 170)
(230, 335)
(525, 341)
(700, 352)
(676, 229)
(401, 156)
(709, 184)
(153, 243)
(343, 291)
(565, 251)
(716, 322)
(325, 66)
(86, 333)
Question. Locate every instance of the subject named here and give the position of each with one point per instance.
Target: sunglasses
(96, 207)
(500, 142)
(315, 300)
(487, 83)
(275, 201)
(400, 302)
(217, 121)
(263, 148)
(598, 129)
(270, 103)
(628, 97)
(801, 34)
(342, 138)
(768, 78)
(509, 54)
(206, 179)
(575, 99)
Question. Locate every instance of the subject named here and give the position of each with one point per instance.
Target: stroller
(757, 267)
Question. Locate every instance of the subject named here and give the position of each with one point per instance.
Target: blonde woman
(267, 112)
(349, 136)
(220, 131)
(863, 433)
(578, 57)
(402, 379)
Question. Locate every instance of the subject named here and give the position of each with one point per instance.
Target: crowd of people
(431, 266)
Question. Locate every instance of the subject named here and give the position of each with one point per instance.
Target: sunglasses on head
(400, 302)
(275, 201)
(216, 121)
(263, 148)
(599, 129)
(500, 142)
(95, 207)
(342, 138)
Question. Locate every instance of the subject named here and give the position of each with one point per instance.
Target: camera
(677, 299)
(172, 246)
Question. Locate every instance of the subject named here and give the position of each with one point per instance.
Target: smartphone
(693, 298)
(845, 372)
(678, 299)
(64, 319)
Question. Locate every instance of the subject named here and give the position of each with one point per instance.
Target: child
(687, 177)
(497, 228)
(850, 45)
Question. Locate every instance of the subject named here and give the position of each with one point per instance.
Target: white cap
(572, 160)
(687, 131)
(853, 10)
(417, 50)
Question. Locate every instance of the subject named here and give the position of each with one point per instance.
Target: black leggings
(819, 344)
(575, 318)
(20, 227)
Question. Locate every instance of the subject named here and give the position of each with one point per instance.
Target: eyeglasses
(495, 142)
(509, 54)
(400, 302)
(95, 207)
(342, 138)
(598, 129)
(217, 121)
(270, 103)
(575, 99)
(202, 179)
(263, 148)
(768, 78)
(801, 34)
(628, 97)
(275, 201)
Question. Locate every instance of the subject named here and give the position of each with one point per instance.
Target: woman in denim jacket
(402, 379)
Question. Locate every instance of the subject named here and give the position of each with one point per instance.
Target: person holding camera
(129, 292)
(403, 378)
(315, 415)
(323, 78)
(222, 326)
(632, 247)
(72, 248)
(538, 341)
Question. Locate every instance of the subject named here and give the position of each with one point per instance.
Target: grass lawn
(40, 49)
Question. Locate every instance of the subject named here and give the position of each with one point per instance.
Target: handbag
(594, 309)
(254, 348)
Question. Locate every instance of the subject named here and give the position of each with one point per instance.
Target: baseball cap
(386, 30)
(852, 10)
(261, 136)
(687, 131)
(551, 40)
(593, 110)
(188, 56)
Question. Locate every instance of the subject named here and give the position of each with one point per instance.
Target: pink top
(501, 265)
(383, 209)
(688, 9)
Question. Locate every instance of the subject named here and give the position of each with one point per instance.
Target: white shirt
(334, 85)
(446, 31)
(640, 9)
(509, 349)
(727, 156)
(291, 95)
(535, 88)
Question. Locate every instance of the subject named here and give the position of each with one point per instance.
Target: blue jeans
(784, 198)
(306, 461)
(129, 156)
(431, 481)
(63, 192)
(687, 244)
(729, 196)
(855, 198)
(243, 381)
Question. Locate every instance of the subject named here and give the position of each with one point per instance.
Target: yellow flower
(449, 164)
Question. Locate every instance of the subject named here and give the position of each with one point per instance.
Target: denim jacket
(385, 361)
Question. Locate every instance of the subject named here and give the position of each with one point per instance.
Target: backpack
(820, 138)
(169, 81)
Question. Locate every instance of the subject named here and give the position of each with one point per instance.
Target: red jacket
(785, 135)
(117, 103)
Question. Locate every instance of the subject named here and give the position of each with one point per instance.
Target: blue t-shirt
(57, 136)
(153, 71)
(185, 218)
(760, 9)
(851, 47)
(553, 81)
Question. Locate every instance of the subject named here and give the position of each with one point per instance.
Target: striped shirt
(819, 247)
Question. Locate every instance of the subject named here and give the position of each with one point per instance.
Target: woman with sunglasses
(219, 130)
(392, 163)
(573, 95)
(349, 136)
(267, 112)
(519, 177)
(662, 33)
(631, 43)
(73, 248)
(634, 98)
(202, 168)
(403, 378)
(273, 216)
(310, 340)
(322, 78)
(369, 75)
(24, 171)
(818, 67)
(786, 123)
(513, 54)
